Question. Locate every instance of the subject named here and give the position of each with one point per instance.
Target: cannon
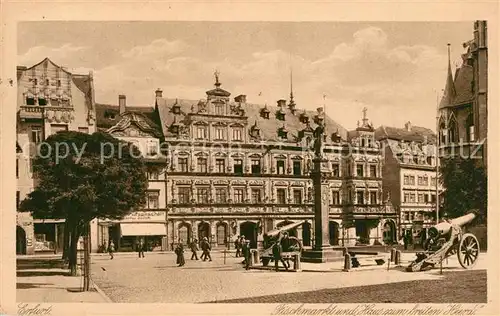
(444, 240)
(294, 246)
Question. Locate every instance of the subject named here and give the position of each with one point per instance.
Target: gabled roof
(107, 115)
(269, 127)
(415, 134)
(136, 119)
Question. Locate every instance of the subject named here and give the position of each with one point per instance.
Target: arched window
(453, 131)
(221, 233)
(470, 128)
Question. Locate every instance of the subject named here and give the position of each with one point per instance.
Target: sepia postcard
(235, 158)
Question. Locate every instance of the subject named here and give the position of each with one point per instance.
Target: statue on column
(318, 142)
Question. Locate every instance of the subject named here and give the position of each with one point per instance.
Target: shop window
(221, 234)
(281, 196)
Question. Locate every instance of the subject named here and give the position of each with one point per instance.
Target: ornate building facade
(463, 112)
(409, 176)
(50, 99)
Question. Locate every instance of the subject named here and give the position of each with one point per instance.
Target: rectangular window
(183, 164)
(360, 197)
(255, 166)
(152, 148)
(256, 195)
(42, 101)
(433, 198)
(420, 198)
(297, 168)
(219, 109)
(426, 198)
(239, 195)
(153, 199)
(406, 180)
(373, 197)
(406, 216)
(36, 135)
(202, 195)
(84, 130)
(335, 197)
(184, 195)
(17, 168)
(412, 197)
(336, 170)
(406, 198)
(18, 198)
(297, 196)
(237, 134)
(221, 195)
(433, 181)
(412, 180)
(280, 166)
(220, 165)
(373, 171)
(359, 170)
(238, 166)
(202, 164)
(30, 101)
(201, 132)
(219, 133)
(153, 175)
(281, 196)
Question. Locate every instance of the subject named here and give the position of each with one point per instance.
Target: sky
(394, 69)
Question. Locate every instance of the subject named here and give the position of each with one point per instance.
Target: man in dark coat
(179, 251)
(247, 253)
(205, 247)
(277, 250)
(140, 247)
(194, 249)
(237, 246)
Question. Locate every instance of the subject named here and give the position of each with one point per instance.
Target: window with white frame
(219, 108)
(184, 194)
(183, 164)
(239, 195)
(373, 197)
(237, 133)
(256, 195)
(153, 199)
(280, 166)
(220, 133)
(281, 195)
(201, 132)
(297, 196)
(202, 164)
(220, 195)
(202, 195)
(220, 165)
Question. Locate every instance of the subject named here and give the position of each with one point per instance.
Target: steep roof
(268, 127)
(463, 85)
(108, 115)
(415, 134)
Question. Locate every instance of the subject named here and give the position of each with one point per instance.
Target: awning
(143, 229)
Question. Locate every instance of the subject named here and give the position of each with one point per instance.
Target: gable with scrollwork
(131, 131)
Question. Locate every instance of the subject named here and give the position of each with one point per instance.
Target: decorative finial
(291, 87)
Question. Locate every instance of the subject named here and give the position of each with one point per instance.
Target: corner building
(237, 168)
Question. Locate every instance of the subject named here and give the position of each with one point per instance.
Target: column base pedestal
(321, 256)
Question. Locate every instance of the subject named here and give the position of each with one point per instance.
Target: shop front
(150, 226)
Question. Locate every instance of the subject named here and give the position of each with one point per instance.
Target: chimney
(282, 103)
(408, 126)
(241, 98)
(122, 103)
(159, 93)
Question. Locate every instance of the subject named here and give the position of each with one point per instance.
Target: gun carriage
(290, 250)
(444, 240)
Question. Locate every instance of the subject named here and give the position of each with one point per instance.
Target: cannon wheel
(296, 243)
(468, 251)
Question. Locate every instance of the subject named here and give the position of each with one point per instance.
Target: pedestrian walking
(194, 249)
(179, 251)
(205, 247)
(246, 253)
(238, 247)
(140, 248)
(111, 249)
(277, 250)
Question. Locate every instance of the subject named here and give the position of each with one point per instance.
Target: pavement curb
(101, 292)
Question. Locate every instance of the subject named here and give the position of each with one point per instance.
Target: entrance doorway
(291, 232)
(306, 234)
(362, 231)
(20, 241)
(389, 232)
(334, 233)
(249, 230)
(204, 231)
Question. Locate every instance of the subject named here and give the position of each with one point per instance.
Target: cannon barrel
(275, 232)
(444, 227)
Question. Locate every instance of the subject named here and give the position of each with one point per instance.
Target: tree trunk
(66, 242)
(73, 251)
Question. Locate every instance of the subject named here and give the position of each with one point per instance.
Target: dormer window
(219, 108)
(282, 133)
(176, 108)
(30, 101)
(42, 101)
(280, 115)
(304, 118)
(264, 112)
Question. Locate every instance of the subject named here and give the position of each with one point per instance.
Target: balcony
(39, 112)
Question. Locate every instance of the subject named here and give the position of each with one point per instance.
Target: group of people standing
(204, 245)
